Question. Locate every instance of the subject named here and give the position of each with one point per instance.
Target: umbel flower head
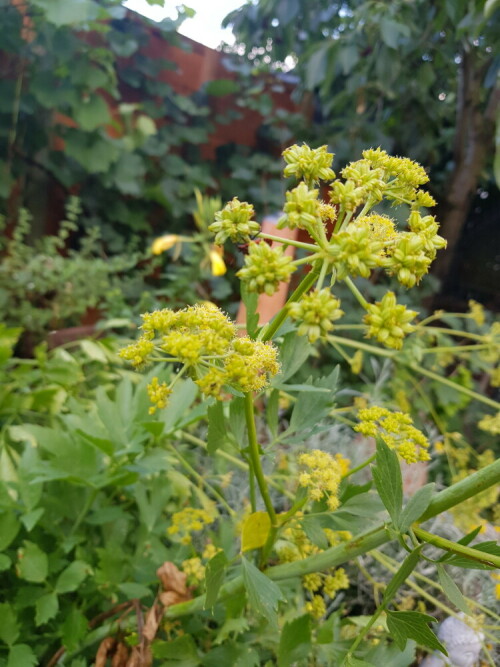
(388, 321)
(309, 164)
(203, 339)
(397, 430)
(316, 313)
(234, 222)
(265, 267)
(355, 251)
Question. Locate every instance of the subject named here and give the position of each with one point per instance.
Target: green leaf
(295, 641)
(95, 154)
(452, 591)
(31, 518)
(250, 299)
(293, 352)
(221, 87)
(388, 481)
(5, 562)
(180, 652)
(406, 568)
(470, 564)
(8, 338)
(310, 408)
(263, 594)
(214, 576)
(415, 507)
(74, 629)
(46, 608)
(255, 530)
(9, 528)
(92, 113)
(233, 626)
(272, 412)
(404, 625)
(390, 31)
(71, 578)
(9, 627)
(216, 427)
(314, 531)
(134, 591)
(183, 395)
(21, 655)
(33, 564)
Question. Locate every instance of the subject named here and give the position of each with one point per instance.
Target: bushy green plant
(214, 509)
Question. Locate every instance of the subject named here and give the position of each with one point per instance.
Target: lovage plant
(306, 522)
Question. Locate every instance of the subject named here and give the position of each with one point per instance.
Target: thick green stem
(358, 345)
(254, 456)
(453, 547)
(268, 331)
(342, 553)
(463, 490)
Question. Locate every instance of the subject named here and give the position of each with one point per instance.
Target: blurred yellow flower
(217, 263)
(164, 242)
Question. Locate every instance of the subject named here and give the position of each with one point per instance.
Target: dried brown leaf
(172, 579)
(120, 657)
(105, 647)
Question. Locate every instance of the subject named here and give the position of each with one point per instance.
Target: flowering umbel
(204, 340)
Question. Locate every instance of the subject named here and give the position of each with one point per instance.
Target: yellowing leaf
(255, 530)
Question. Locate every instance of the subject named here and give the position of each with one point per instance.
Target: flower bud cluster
(265, 267)
(323, 476)
(388, 321)
(316, 312)
(234, 222)
(310, 164)
(397, 430)
(363, 175)
(402, 176)
(302, 209)
(408, 260)
(355, 252)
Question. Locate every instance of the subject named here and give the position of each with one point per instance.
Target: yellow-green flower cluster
(330, 585)
(187, 521)
(354, 251)
(402, 176)
(490, 423)
(364, 177)
(316, 313)
(409, 260)
(158, 395)
(388, 321)
(205, 341)
(194, 570)
(323, 476)
(234, 222)
(382, 228)
(397, 430)
(265, 267)
(310, 164)
(302, 209)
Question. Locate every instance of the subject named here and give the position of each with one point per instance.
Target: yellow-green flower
(316, 313)
(388, 321)
(234, 222)
(265, 267)
(310, 164)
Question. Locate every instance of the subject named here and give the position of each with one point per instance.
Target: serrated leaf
(46, 608)
(33, 564)
(74, 629)
(9, 528)
(452, 591)
(415, 507)
(214, 576)
(310, 408)
(232, 626)
(255, 530)
(404, 625)
(295, 641)
(216, 427)
(388, 479)
(263, 594)
(293, 352)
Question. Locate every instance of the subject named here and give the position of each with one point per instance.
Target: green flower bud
(355, 251)
(388, 321)
(408, 260)
(234, 223)
(316, 312)
(310, 164)
(363, 175)
(265, 267)
(428, 228)
(347, 195)
(302, 209)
